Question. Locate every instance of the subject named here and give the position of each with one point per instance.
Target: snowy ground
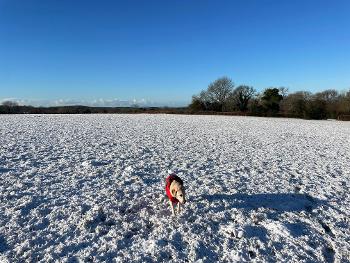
(90, 188)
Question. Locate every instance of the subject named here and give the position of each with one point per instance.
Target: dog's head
(178, 191)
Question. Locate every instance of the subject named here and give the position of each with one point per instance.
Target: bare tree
(197, 104)
(215, 97)
(343, 106)
(331, 98)
(329, 95)
(241, 96)
(295, 104)
(219, 91)
(206, 99)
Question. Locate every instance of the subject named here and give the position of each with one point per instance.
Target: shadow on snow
(281, 202)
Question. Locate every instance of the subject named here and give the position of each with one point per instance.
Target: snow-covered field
(90, 188)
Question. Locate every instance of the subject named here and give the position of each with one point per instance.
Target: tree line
(12, 107)
(222, 96)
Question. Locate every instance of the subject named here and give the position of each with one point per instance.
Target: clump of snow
(90, 188)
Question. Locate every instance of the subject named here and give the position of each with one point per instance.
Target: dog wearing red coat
(175, 191)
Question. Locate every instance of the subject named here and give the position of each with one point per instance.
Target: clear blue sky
(165, 51)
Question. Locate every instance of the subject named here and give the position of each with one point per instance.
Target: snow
(90, 188)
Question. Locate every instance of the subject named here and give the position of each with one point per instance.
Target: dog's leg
(178, 207)
(172, 207)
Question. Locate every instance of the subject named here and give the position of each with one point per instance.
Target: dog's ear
(173, 192)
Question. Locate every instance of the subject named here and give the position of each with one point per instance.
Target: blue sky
(163, 52)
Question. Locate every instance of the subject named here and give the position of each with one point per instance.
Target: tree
(329, 95)
(241, 96)
(219, 91)
(343, 106)
(331, 98)
(295, 104)
(9, 107)
(271, 100)
(255, 107)
(197, 104)
(316, 109)
(206, 99)
(9, 103)
(214, 98)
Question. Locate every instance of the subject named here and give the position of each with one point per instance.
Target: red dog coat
(169, 180)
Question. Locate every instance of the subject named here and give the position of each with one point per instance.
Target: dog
(175, 191)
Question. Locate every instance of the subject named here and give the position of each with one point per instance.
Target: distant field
(91, 188)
